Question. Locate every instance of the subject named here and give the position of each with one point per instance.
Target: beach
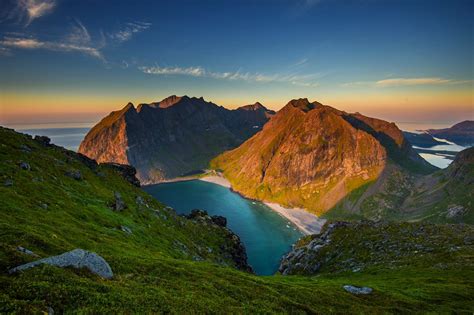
(306, 222)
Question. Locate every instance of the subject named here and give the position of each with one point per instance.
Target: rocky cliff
(173, 137)
(311, 155)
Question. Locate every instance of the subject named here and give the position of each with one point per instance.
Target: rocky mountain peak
(256, 106)
(128, 106)
(169, 101)
(303, 104)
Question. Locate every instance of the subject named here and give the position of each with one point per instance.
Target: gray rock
(8, 183)
(77, 258)
(126, 229)
(357, 290)
(43, 140)
(74, 174)
(25, 166)
(454, 211)
(26, 251)
(119, 204)
(25, 148)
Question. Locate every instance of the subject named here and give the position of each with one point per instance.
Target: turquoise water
(265, 234)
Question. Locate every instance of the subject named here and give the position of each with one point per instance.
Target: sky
(77, 60)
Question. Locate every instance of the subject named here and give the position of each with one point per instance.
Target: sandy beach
(306, 222)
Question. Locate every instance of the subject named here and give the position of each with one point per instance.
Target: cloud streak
(78, 40)
(32, 43)
(397, 82)
(129, 30)
(294, 79)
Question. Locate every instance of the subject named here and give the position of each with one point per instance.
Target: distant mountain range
(461, 133)
(171, 138)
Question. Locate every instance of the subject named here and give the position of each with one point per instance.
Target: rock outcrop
(362, 245)
(126, 171)
(310, 155)
(234, 247)
(77, 258)
(171, 138)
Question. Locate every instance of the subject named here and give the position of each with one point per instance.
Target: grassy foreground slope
(168, 263)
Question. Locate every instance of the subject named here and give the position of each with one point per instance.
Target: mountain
(171, 138)
(461, 133)
(311, 155)
(423, 140)
(55, 201)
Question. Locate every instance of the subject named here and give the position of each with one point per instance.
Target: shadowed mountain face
(311, 155)
(461, 133)
(173, 137)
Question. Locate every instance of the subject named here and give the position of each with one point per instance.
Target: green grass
(155, 268)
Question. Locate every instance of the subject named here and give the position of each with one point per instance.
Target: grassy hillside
(168, 263)
(445, 196)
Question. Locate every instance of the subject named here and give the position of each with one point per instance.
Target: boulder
(77, 258)
(126, 229)
(454, 211)
(25, 166)
(25, 148)
(43, 140)
(118, 204)
(77, 175)
(357, 290)
(219, 220)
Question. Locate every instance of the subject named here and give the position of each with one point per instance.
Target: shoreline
(306, 222)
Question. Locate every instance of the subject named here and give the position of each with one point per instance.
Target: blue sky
(87, 57)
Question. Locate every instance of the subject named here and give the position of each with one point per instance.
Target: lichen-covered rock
(75, 174)
(25, 166)
(77, 258)
(454, 211)
(357, 290)
(126, 229)
(118, 203)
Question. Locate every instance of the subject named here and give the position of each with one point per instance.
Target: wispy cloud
(34, 9)
(395, 82)
(294, 79)
(78, 40)
(33, 43)
(129, 30)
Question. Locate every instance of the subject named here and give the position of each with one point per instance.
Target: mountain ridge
(170, 138)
